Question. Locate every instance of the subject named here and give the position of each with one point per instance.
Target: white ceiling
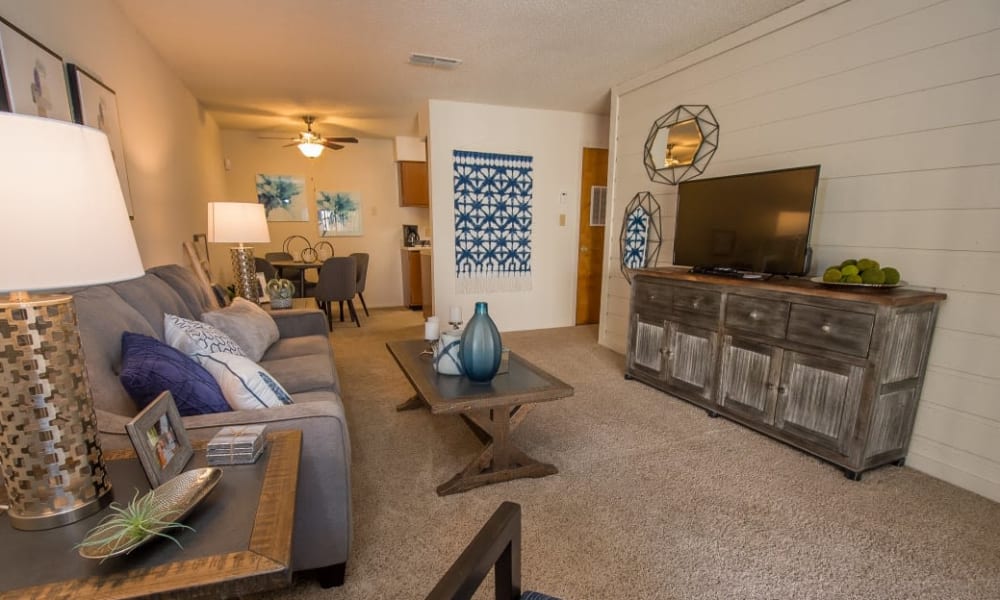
(261, 64)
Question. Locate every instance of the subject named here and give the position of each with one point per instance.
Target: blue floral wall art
(339, 213)
(282, 197)
(493, 194)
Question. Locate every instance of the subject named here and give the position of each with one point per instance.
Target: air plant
(127, 526)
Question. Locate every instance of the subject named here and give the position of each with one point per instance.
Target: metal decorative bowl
(172, 501)
(870, 286)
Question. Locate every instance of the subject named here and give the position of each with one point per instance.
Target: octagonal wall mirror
(677, 144)
(681, 143)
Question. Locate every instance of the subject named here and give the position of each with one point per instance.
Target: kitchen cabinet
(413, 189)
(412, 283)
(834, 372)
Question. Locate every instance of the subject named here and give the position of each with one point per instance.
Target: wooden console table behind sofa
(836, 373)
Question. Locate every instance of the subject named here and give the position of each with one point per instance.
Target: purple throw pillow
(150, 367)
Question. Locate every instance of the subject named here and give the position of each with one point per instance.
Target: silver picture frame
(160, 440)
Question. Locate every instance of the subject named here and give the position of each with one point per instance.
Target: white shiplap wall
(899, 101)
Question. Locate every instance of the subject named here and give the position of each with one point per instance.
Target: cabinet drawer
(652, 299)
(701, 302)
(838, 330)
(757, 315)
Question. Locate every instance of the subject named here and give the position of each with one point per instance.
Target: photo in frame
(95, 105)
(31, 76)
(339, 213)
(262, 295)
(160, 440)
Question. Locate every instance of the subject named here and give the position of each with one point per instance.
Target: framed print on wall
(160, 440)
(338, 213)
(31, 77)
(95, 105)
(282, 197)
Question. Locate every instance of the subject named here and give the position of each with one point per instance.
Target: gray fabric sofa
(301, 360)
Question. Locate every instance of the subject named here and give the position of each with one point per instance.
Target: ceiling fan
(310, 143)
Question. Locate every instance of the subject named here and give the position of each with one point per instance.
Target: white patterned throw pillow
(193, 337)
(245, 384)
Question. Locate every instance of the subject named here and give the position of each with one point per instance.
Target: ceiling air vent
(429, 60)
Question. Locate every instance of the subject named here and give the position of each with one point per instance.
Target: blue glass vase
(480, 347)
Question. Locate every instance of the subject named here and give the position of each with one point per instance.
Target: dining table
(302, 266)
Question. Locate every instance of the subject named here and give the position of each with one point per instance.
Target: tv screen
(756, 222)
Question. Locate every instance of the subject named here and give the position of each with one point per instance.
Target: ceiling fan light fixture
(311, 149)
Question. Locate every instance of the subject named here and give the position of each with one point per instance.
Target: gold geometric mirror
(676, 145)
(681, 143)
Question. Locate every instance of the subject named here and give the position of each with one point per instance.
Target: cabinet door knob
(782, 390)
(754, 315)
(695, 302)
(769, 386)
(826, 328)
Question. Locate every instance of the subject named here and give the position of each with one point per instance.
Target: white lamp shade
(64, 216)
(237, 223)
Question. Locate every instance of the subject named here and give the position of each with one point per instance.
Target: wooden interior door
(591, 250)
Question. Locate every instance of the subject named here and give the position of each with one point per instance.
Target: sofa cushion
(149, 367)
(187, 286)
(298, 346)
(303, 373)
(248, 324)
(152, 297)
(103, 317)
(194, 337)
(245, 384)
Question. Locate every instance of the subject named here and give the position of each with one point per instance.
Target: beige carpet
(653, 498)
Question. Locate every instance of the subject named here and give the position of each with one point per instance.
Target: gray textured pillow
(248, 324)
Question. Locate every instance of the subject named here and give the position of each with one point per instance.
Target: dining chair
(338, 282)
(262, 265)
(362, 277)
(289, 272)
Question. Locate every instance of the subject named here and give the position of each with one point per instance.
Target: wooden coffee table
(242, 541)
(492, 411)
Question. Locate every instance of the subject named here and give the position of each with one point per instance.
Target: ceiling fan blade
(265, 137)
(330, 144)
(342, 140)
(290, 145)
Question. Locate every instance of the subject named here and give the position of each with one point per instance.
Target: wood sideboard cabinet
(834, 372)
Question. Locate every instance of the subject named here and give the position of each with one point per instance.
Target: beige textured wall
(366, 168)
(897, 100)
(172, 147)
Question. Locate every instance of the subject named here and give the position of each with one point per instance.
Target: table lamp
(66, 225)
(239, 223)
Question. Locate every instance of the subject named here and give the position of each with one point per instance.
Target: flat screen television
(757, 222)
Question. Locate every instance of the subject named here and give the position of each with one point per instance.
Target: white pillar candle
(431, 330)
(455, 314)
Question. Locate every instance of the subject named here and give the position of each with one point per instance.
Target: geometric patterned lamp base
(53, 467)
(245, 272)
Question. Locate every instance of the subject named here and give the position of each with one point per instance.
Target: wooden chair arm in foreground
(497, 547)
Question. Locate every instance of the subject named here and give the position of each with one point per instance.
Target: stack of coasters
(236, 445)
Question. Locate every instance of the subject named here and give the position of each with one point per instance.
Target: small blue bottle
(480, 348)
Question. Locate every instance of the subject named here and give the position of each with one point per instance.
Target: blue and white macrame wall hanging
(492, 222)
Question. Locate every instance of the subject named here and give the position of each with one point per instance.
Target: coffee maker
(410, 236)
